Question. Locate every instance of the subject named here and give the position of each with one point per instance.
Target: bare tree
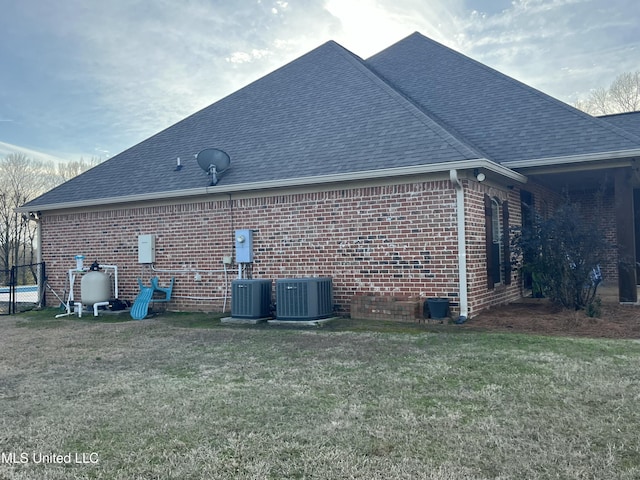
(599, 101)
(623, 95)
(624, 92)
(21, 180)
(73, 168)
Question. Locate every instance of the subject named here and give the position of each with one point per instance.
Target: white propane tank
(95, 287)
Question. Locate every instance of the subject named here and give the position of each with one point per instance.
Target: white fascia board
(589, 157)
(290, 182)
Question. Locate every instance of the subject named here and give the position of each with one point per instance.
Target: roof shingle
(329, 112)
(500, 116)
(324, 113)
(629, 121)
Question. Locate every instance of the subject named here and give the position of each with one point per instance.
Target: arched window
(497, 241)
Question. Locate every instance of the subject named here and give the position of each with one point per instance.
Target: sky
(90, 78)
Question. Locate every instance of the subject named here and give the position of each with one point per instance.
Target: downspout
(462, 246)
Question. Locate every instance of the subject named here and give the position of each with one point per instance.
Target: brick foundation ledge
(382, 307)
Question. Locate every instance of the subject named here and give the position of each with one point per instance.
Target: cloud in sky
(563, 47)
(97, 77)
(8, 148)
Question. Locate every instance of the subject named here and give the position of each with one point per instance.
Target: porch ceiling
(581, 177)
(573, 181)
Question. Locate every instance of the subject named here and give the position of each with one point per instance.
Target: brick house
(396, 176)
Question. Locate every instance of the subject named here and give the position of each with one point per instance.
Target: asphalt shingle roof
(629, 121)
(502, 117)
(330, 112)
(324, 113)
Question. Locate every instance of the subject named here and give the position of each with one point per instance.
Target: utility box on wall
(146, 248)
(244, 246)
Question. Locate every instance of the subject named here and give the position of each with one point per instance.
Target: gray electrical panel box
(244, 246)
(146, 248)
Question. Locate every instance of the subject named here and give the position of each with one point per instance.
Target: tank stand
(78, 308)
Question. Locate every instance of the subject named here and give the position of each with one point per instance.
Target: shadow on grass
(212, 320)
(208, 320)
(390, 326)
(46, 318)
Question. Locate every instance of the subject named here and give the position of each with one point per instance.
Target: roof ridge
(633, 112)
(455, 141)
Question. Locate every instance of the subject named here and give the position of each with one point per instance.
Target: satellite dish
(213, 161)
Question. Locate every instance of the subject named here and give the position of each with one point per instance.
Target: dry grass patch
(156, 400)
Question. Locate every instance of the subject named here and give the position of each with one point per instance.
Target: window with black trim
(497, 241)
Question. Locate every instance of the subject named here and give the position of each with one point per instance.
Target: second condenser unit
(304, 298)
(251, 298)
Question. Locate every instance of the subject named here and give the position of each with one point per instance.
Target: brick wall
(599, 205)
(596, 205)
(481, 297)
(385, 240)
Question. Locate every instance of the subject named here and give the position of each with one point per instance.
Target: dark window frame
(498, 269)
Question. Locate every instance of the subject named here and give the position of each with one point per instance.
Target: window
(497, 241)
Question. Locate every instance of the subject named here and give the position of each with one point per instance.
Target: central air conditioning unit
(251, 298)
(304, 298)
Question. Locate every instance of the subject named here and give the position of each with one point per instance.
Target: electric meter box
(244, 246)
(146, 248)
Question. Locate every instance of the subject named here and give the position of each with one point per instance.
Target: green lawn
(184, 397)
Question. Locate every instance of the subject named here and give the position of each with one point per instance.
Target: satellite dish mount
(214, 162)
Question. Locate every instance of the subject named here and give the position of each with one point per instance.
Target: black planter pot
(437, 307)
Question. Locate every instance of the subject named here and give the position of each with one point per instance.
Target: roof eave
(569, 159)
(288, 182)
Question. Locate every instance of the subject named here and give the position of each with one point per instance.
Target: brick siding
(385, 240)
(600, 205)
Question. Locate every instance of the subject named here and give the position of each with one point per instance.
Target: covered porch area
(610, 191)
